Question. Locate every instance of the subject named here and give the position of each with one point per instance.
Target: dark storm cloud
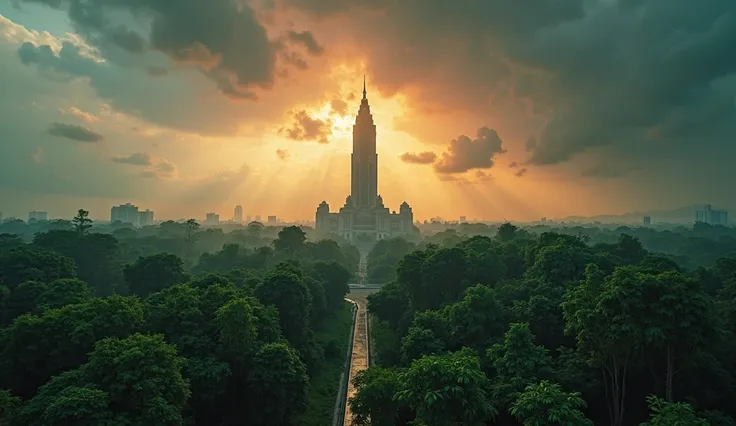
(167, 101)
(600, 74)
(73, 132)
(136, 159)
(306, 128)
(306, 39)
(157, 71)
(427, 157)
(465, 154)
(222, 37)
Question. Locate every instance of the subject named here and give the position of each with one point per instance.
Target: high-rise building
(238, 216)
(463, 219)
(145, 218)
(258, 218)
(212, 219)
(271, 220)
(647, 220)
(711, 217)
(364, 218)
(34, 216)
(126, 213)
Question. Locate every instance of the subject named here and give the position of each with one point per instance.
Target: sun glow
(341, 126)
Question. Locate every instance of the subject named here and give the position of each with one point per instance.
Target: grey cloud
(155, 167)
(73, 132)
(136, 159)
(306, 128)
(223, 38)
(465, 154)
(166, 167)
(306, 39)
(168, 101)
(128, 40)
(157, 71)
(339, 106)
(520, 172)
(282, 154)
(606, 170)
(427, 157)
(599, 74)
(513, 164)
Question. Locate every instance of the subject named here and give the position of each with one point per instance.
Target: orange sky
(186, 129)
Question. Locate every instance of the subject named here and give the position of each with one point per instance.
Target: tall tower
(364, 159)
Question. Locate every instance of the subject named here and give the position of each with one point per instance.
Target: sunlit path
(360, 355)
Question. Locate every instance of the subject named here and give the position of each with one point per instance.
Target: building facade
(364, 218)
(212, 219)
(126, 213)
(36, 216)
(712, 217)
(238, 216)
(145, 218)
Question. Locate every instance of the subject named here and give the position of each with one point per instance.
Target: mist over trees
(474, 325)
(112, 328)
(567, 326)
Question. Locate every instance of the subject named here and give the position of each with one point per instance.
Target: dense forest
(520, 328)
(175, 324)
(117, 329)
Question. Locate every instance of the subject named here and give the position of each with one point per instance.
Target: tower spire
(364, 87)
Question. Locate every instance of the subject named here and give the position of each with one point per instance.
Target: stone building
(364, 218)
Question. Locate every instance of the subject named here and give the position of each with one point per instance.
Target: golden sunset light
(367, 212)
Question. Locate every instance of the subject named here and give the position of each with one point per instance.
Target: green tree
(62, 292)
(678, 319)
(518, 363)
(82, 222)
(277, 384)
(390, 303)
(374, 404)
(153, 273)
(22, 300)
(447, 390)
(664, 413)
(475, 320)
(97, 256)
(546, 404)
(290, 240)
(334, 278)
(286, 291)
(39, 347)
(506, 232)
(27, 264)
(67, 400)
(443, 279)
(596, 315)
(135, 381)
(317, 299)
(238, 329)
(9, 407)
(142, 376)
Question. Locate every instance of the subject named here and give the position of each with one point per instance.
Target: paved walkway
(359, 360)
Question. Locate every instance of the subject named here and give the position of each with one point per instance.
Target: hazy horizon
(592, 108)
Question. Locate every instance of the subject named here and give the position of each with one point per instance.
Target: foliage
(545, 403)
(447, 390)
(665, 413)
(232, 324)
(154, 273)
